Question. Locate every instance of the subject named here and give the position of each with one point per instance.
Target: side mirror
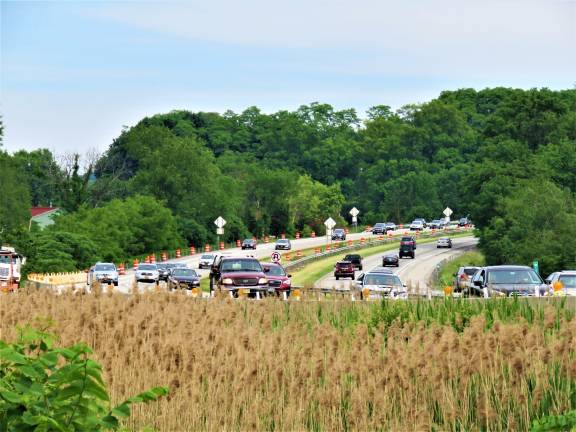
(454, 274)
(266, 269)
(289, 275)
(478, 283)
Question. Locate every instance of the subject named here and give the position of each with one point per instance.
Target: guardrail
(57, 278)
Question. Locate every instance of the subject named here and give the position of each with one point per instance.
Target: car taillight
(463, 276)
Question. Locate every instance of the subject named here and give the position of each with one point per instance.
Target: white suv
(567, 279)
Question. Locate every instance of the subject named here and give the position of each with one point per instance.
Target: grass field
(322, 366)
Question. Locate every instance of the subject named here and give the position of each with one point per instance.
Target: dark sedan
(249, 244)
(339, 234)
(390, 260)
(183, 278)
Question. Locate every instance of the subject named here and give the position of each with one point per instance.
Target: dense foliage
(495, 154)
(44, 388)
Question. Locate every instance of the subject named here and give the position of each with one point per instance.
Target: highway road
(413, 272)
(263, 250)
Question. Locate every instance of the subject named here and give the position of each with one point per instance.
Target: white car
(567, 280)
(105, 273)
(147, 273)
(380, 283)
(206, 260)
(417, 226)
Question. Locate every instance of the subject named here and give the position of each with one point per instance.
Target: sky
(74, 73)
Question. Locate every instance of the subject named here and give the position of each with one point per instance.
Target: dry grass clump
(270, 365)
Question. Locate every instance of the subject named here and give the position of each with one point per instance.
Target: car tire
(360, 268)
(397, 264)
(116, 283)
(337, 277)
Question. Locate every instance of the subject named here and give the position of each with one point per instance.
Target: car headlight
(227, 281)
(262, 281)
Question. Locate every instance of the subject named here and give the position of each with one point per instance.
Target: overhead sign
(447, 212)
(330, 223)
(220, 222)
(275, 257)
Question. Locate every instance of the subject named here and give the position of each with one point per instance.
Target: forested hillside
(505, 156)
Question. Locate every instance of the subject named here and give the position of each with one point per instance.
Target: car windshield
(162, 266)
(171, 265)
(390, 224)
(282, 241)
(207, 257)
(104, 267)
(379, 225)
(382, 279)
(470, 271)
(241, 265)
(184, 272)
(568, 281)
(513, 277)
(338, 231)
(406, 239)
(147, 267)
(248, 241)
(276, 271)
(352, 257)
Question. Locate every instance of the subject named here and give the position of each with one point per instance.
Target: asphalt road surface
(415, 272)
(263, 250)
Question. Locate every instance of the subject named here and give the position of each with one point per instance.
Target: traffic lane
(424, 253)
(263, 250)
(417, 275)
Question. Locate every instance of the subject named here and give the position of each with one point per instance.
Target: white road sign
(330, 223)
(220, 231)
(447, 211)
(220, 222)
(275, 257)
(354, 212)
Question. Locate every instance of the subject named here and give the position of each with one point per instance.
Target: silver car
(380, 283)
(147, 273)
(206, 260)
(563, 282)
(105, 273)
(444, 242)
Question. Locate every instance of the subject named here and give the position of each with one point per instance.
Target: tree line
(505, 156)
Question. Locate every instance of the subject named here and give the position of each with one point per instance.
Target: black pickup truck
(355, 259)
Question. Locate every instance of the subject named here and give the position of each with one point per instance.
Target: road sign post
(354, 212)
(447, 212)
(329, 224)
(220, 222)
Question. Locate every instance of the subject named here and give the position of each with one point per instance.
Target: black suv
(407, 249)
(339, 234)
(355, 259)
(379, 228)
(249, 244)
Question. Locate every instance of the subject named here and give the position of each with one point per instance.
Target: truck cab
(10, 268)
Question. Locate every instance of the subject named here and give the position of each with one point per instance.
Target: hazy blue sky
(75, 72)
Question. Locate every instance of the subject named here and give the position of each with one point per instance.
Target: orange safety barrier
(153, 258)
(164, 256)
(283, 236)
(362, 240)
(178, 253)
(121, 269)
(266, 239)
(317, 250)
(313, 234)
(389, 233)
(350, 242)
(346, 230)
(287, 257)
(135, 265)
(299, 254)
(221, 245)
(401, 226)
(207, 248)
(147, 260)
(380, 237)
(192, 250)
(238, 244)
(327, 247)
(297, 235)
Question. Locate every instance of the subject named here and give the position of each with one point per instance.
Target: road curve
(413, 272)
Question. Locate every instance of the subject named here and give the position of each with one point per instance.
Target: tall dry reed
(270, 365)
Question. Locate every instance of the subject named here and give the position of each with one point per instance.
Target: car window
(276, 271)
(470, 271)
(147, 267)
(513, 277)
(104, 267)
(568, 281)
(240, 265)
(184, 272)
(381, 279)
